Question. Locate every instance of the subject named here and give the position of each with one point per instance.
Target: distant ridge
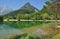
(26, 9)
(5, 10)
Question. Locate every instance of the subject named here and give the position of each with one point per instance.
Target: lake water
(9, 29)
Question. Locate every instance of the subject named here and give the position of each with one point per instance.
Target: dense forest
(30, 12)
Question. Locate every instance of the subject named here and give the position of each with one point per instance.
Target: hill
(26, 9)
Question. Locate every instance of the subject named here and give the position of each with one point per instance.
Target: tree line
(48, 12)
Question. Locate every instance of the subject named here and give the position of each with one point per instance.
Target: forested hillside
(30, 12)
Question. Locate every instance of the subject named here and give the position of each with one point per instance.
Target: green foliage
(30, 12)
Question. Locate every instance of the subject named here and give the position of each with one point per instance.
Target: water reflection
(7, 30)
(21, 25)
(1, 22)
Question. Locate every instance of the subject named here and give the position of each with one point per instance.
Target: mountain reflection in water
(7, 30)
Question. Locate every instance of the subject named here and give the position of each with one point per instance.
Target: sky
(16, 4)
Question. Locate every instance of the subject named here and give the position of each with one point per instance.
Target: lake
(9, 28)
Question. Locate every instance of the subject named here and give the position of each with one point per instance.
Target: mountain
(5, 10)
(28, 8)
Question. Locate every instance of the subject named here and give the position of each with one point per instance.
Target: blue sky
(16, 4)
